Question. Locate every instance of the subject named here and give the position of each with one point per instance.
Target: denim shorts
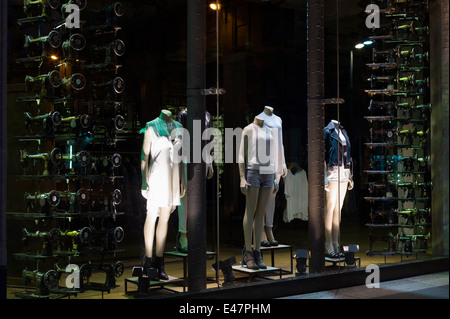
(256, 179)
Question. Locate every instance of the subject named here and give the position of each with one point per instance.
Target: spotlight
(214, 6)
(301, 256)
(54, 57)
(359, 46)
(349, 252)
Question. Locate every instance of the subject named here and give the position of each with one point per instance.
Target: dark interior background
(263, 58)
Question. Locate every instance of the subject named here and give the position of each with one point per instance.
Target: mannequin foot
(270, 238)
(247, 260)
(181, 243)
(335, 254)
(159, 265)
(258, 259)
(265, 243)
(148, 263)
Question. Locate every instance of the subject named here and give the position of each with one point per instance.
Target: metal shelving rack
(72, 172)
(399, 139)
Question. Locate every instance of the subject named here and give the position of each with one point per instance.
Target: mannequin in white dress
(275, 123)
(162, 185)
(257, 183)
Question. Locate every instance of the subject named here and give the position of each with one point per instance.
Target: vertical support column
(439, 86)
(196, 183)
(316, 197)
(3, 69)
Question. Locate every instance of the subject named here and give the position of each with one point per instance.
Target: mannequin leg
(149, 230)
(161, 230)
(335, 226)
(263, 198)
(182, 220)
(182, 225)
(331, 199)
(269, 214)
(161, 235)
(335, 201)
(343, 193)
(337, 215)
(250, 209)
(247, 225)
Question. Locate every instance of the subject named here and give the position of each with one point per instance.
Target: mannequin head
(268, 110)
(166, 115)
(259, 121)
(335, 123)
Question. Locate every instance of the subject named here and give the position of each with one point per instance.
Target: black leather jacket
(333, 147)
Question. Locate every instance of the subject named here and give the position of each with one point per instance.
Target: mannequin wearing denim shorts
(275, 123)
(337, 181)
(257, 182)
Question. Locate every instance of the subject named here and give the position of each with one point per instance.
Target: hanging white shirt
(296, 193)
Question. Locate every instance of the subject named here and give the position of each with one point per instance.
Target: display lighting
(301, 256)
(214, 6)
(363, 44)
(349, 252)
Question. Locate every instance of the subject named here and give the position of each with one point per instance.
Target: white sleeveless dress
(164, 175)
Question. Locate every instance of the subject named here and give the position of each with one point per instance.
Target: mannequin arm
(241, 161)
(284, 174)
(182, 179)
(284, 171)
(276, 186)
(145, 153)
(243, 183)
(326, 176)
(209, 163)
(210, 171)
(351, 183)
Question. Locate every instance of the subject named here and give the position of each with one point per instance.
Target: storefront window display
(101, 150)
